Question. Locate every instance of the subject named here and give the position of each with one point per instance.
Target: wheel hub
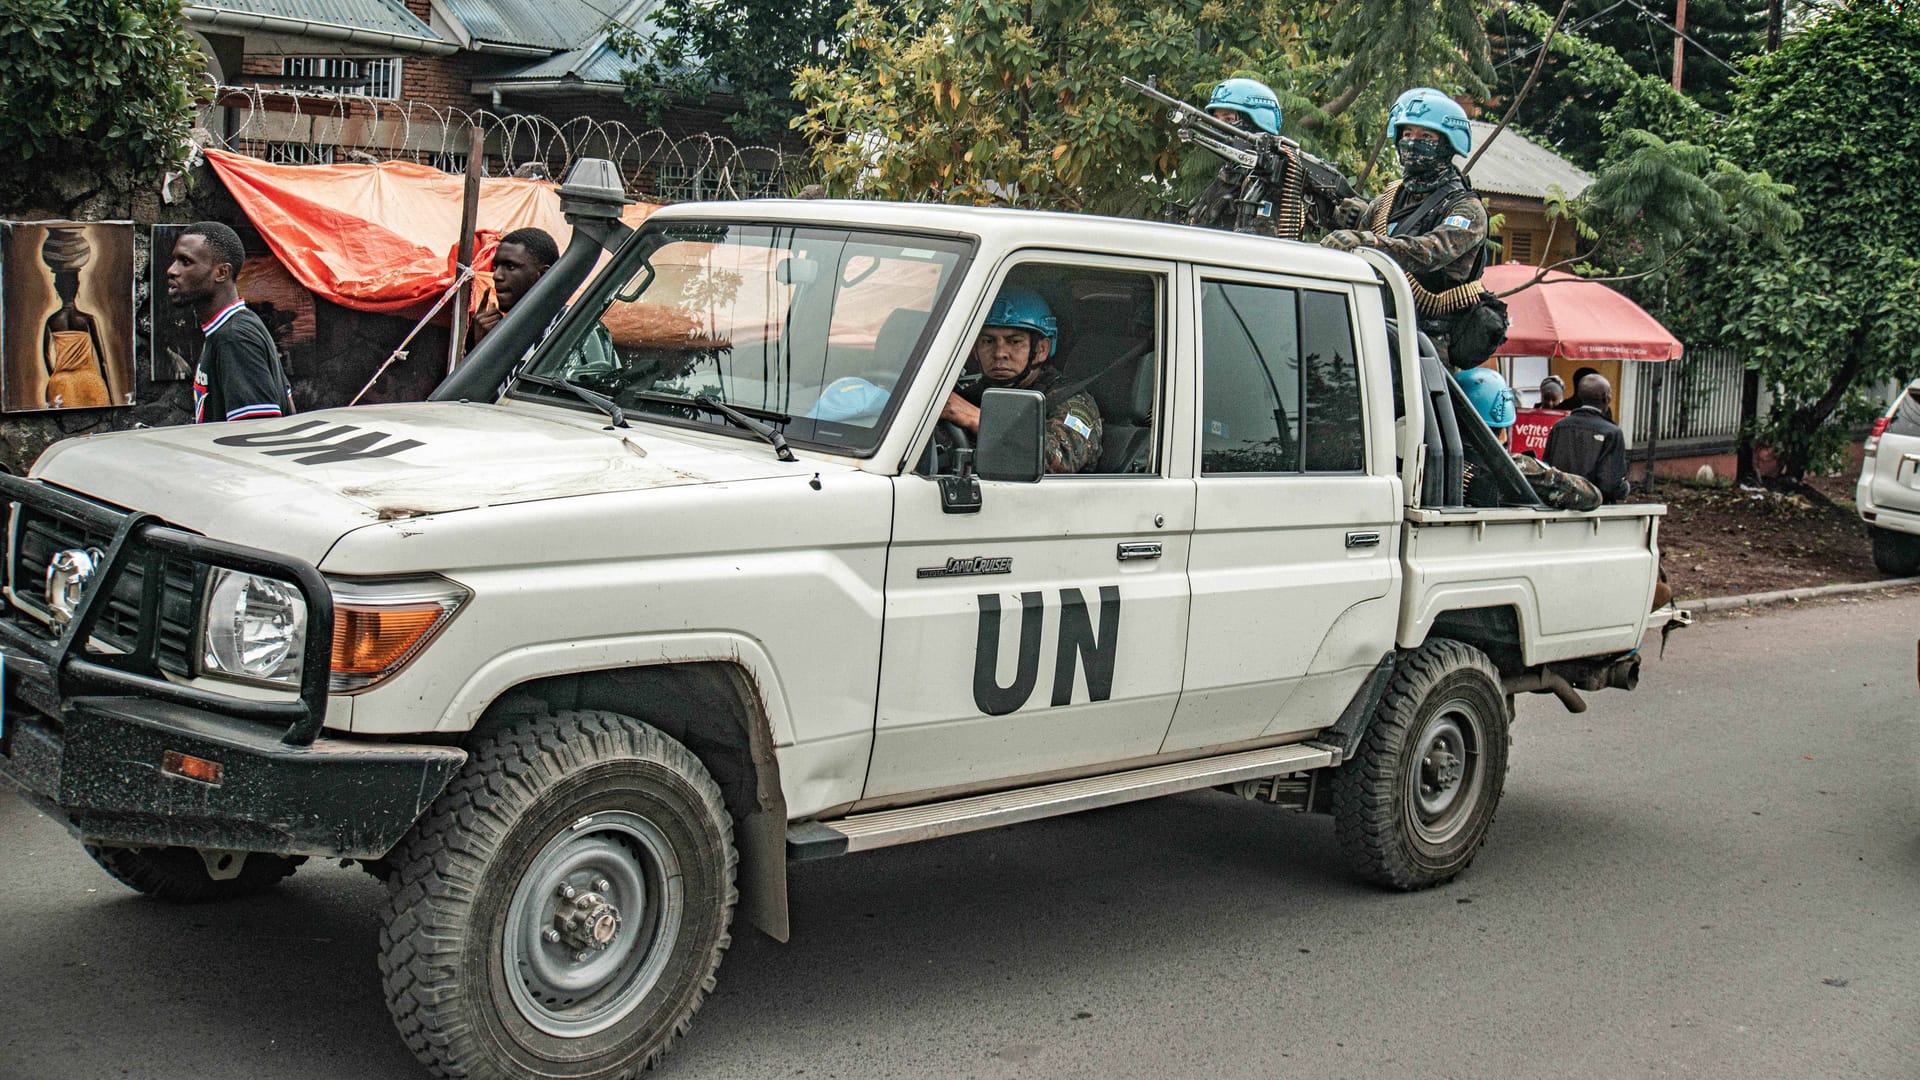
(588, 921)
(590, 925)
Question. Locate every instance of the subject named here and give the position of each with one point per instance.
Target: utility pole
(1679, 39)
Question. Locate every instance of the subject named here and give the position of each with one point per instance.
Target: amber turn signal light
(378, 626)
(367, 641)
(186, 766)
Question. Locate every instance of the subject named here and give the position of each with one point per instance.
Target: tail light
(1873, 436)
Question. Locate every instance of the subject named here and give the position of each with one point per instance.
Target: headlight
(255, 629)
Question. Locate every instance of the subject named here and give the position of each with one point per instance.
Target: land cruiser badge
(979, 564)
(67, 574)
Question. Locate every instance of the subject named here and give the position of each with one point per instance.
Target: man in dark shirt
(239, 376)
(1588, 444)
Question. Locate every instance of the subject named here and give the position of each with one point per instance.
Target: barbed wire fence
(302, 128)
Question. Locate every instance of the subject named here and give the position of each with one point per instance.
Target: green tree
(1839, 309)
(745, 51)
(1019, 101)
(96, 87)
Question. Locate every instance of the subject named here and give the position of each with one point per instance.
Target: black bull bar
(88, 750)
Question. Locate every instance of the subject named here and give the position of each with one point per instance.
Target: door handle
(1363, 539)
(1129, 552)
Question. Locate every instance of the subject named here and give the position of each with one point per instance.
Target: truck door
(1047, 631)
(1296, 532)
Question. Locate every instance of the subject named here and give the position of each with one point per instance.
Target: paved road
(1715, 876)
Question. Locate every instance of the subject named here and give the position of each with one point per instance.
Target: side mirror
(1013, 432)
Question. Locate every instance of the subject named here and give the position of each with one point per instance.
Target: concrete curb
(1733, 603)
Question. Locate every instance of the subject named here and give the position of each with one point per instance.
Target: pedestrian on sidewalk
(1588, 444)
(239, 376)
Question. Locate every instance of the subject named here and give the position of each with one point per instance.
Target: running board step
(885, 828)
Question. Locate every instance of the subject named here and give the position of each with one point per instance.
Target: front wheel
(562, 909)
(1895, 553)
(1414, 804)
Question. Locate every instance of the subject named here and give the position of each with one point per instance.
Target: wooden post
(469, 220)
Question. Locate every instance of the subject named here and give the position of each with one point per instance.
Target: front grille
(39, 536)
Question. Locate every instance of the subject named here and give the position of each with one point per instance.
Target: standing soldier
(1279, 207)
(1435, 226)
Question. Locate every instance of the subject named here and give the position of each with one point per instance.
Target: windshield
(808, 329)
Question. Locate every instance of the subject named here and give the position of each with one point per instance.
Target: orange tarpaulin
(381, 237)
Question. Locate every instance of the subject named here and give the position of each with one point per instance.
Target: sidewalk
(1713, 604)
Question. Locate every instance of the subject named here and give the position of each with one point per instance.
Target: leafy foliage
(745, 50)
(1390, 46)
(96, 86)
(1834, 313)
(1019, 101)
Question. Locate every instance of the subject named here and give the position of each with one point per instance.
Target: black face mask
(1422, 159)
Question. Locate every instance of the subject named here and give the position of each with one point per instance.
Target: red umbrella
(1569, 316)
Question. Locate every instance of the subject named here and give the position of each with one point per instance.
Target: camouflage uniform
(1560, 490)
(1073, 422)
(1443, 257)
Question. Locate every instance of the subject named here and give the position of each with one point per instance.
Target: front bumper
(97, 767)
(87, 731)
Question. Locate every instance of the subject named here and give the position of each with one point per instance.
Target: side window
(1100, 372)
(1335, 435)
(1281, 381)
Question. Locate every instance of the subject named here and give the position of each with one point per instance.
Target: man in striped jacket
(239, 375)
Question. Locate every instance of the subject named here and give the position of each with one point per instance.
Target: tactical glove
(1351, 212)
(1349, 239)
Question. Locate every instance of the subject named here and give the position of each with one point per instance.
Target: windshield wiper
(707, 404)
(765, 431)
(599, 401)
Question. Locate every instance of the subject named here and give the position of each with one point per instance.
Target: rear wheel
(562, 909)
(181, 875)
(1414, 804)
(1895, 553)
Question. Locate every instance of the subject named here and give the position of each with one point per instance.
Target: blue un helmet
(1250, 98)
(1489, 395)
(1423, 106)
(1027, 310)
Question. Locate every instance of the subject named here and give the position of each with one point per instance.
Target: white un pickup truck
(693, 582)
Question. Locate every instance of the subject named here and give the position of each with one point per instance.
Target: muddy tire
(1895, 554)
(1414, 804)
(179, 875)
(562, 908)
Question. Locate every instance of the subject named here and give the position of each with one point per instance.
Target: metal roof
(596, 63)
(377, 16)
(1515, 165)
(557, 25)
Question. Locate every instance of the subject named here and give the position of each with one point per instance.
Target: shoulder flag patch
(1459, 221)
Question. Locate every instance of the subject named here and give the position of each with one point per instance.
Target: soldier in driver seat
(1021, 334)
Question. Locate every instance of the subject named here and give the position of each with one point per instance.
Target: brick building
(330, 80)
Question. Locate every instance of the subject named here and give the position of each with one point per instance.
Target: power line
(1683, 35)
(1597, 16)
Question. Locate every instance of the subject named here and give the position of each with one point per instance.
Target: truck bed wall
(1580, 584)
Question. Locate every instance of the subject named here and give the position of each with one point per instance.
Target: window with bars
(299, 153)
(674, 182)
(378, 78)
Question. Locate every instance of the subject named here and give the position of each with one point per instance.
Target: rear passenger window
(1281, 381)
(1906, 416)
